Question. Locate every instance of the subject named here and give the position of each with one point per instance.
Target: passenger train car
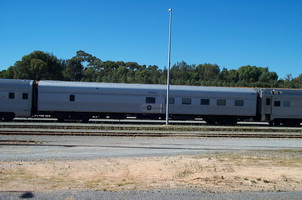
(85, 100)
(15, 98)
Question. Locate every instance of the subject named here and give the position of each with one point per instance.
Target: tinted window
(268, 101)
(239, 103)
(150, 99)
(277, 103)
(25, 96)
(286, 103)
(221, 102)
(204, 101)
(11, 95)
(171, 101)
(186, 101)
(71, 98)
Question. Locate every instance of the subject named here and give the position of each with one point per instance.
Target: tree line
(40, 65)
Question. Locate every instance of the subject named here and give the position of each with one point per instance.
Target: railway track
(76, 129)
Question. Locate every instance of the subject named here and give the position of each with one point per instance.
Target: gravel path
(151, 195)
(79, 148)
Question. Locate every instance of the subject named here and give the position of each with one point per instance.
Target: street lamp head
(170, 10)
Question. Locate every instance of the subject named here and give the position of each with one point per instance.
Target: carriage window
(171, 101)
(221, 102)
(277, 103)
(268, 101)
(11, 95)
(186, 101)
(239, 103)
(150, 99)
(71, 98)
(25, 96)
(286, 103)
(204, 101)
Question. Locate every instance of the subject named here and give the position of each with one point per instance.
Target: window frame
(286, 104)
(205, 102)
(11, 95)
(239, 102)
(150, 100)
(25, 96)
(171, 100)
(277, 103)
(221, 102)
(186, 101)
(268, 101)
(72, 98)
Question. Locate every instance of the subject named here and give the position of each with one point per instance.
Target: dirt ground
(246, 171)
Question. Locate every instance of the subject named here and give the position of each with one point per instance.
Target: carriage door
(268, 108)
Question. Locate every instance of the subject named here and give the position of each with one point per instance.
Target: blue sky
(229, 33)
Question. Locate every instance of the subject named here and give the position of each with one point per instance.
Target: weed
(253, 181)
(184, 174)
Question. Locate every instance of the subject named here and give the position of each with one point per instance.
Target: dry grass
(249, 171)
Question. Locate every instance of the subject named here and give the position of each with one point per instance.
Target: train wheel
(210, 120)
(224, 121)
(275, 122)
(7, 117)
(85, 118)
(118, 116)
(60, 116)
(291, 123)
(230, 121)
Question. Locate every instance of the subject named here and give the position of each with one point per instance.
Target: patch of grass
(100, 184)
(183, 174)
(125, 183)
(18, 174)
(280, 158)
(289, 150)
(95, 184)
(253, 181)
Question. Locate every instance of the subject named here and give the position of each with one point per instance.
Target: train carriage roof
(15, 84)
(93, 85)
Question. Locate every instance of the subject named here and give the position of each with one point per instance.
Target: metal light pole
(168, 73)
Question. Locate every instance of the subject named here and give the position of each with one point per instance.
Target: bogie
(7, 117)
(221, 120)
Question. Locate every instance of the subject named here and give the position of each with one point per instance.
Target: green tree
(75, 68)
(180, 73)
(38, 65)
(83, 66)
(207, 74)
(252, 76)
(298, 81)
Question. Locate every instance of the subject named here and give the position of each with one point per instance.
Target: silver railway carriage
(82, 101)
(280, 106)
(16, 98)
(78, 100)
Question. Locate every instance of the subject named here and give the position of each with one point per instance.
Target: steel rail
(147, 131)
